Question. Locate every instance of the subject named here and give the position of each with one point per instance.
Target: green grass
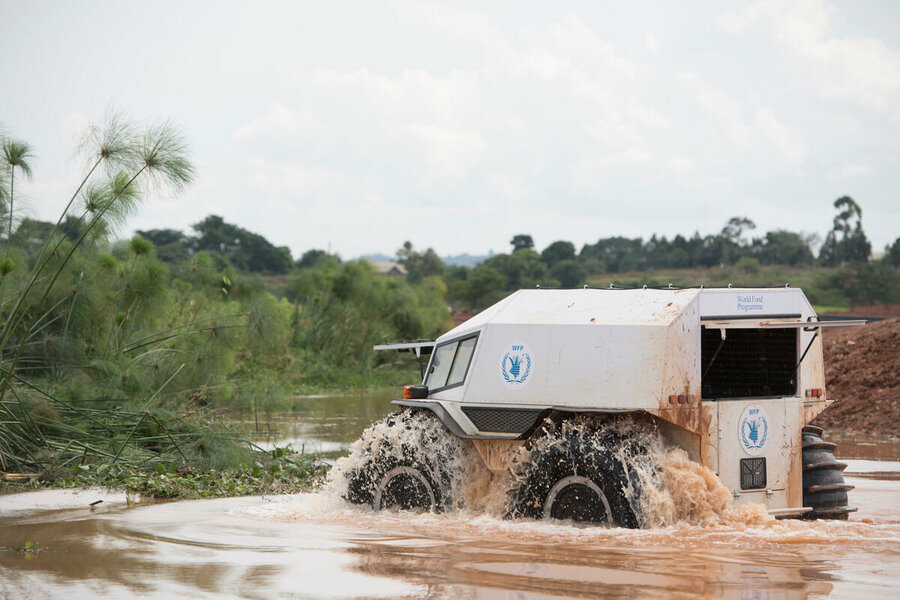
(820, 308)
(278, 472)
(816, 282)
(774, 275)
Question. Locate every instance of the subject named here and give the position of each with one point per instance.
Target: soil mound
(862, 370)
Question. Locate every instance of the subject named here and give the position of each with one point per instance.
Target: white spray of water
(665, 487)
(415, 437)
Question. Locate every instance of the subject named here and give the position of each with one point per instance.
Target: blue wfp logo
(753, 429)
(516, 365)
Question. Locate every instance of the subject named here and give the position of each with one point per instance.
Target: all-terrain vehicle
(537, 388)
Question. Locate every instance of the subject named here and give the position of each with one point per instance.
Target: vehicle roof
(632, 307)
(584, 307)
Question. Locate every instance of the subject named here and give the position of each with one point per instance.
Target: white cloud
(593, 172)
(723, 108)
(278, 122)
(778, 137)
(449, 152)
(856, 170)
(433, 114)
(510, 188)
(762, 132)
(680, 165)
(75, 123)
(413, 94)
(858, 70)
(298, 180)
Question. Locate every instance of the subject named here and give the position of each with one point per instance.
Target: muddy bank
(862, 368)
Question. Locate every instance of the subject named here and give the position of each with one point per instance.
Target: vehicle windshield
(450, 363)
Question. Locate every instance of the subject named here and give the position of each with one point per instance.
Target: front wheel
(406, 461)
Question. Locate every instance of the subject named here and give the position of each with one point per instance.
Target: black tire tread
(825, 465)
(362, 482)
(536, 475)
(828, 487)
(824, 489)
(810, 443)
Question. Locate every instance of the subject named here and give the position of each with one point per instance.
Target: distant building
(391, 269)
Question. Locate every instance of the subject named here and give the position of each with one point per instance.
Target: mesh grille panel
(502, 420)
(753, 473)
(751, 362)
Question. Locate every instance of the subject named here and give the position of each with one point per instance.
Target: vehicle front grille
(502, 420)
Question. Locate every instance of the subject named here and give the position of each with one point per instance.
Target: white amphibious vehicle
(732, 376)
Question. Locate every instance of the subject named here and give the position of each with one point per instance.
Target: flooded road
(315, 546)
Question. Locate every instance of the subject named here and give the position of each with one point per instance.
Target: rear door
(750, 372)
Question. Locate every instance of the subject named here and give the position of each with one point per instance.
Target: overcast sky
(356, 126)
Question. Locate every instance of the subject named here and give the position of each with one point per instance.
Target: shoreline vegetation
(122, 361)
(119, 368)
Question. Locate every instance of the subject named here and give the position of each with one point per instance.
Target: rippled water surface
(314, 546)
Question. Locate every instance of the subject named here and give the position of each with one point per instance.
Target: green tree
(521, 269)
(158, 159)
(846, 242)
(735, 228)
(31, 235)
(522, 242)
(484, 286)
(171, 245)
(558, 252)
(730, 244)
(892, 253)
(618, 253)
(570, 273)
(314, 257)
(420, 265)
(16, 154)
(246, 250)
(781, 247)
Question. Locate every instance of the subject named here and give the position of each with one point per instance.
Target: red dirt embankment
(862, 370)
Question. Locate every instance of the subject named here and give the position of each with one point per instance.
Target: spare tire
(824, 489)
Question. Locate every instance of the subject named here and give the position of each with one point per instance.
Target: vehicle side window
(440, 366)
(461, 362)
(450, 363)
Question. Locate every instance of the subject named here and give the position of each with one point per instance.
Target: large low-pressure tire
(578, 470)
(406, 461)
(824, 489)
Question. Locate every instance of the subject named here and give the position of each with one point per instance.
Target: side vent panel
(502, 420)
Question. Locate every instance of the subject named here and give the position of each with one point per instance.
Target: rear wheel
(824, 489)
(579, 470)
(577, 498)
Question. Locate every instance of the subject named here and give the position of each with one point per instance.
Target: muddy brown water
(315, 546)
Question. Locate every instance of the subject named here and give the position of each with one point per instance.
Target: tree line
(844, 252)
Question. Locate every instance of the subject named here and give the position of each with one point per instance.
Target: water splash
(665, 487)
(416, 437)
